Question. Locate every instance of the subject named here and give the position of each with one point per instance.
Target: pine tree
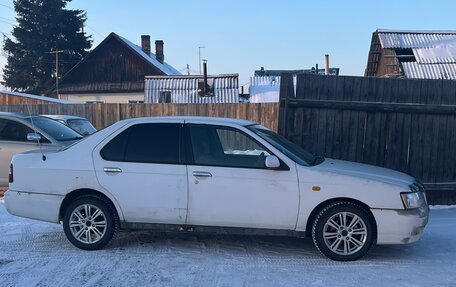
(43, 26)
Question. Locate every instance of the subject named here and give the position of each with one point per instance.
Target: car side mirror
(272, 162)
(33, 137)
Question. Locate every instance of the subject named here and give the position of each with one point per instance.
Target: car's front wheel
(90, 223)
(343, 231)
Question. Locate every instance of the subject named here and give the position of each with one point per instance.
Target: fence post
(286, 91)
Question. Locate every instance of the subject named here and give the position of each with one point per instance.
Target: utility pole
(57, 52)
(188, 69)
(199, 57)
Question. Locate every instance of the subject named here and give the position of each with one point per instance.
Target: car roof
(14, 115)
(196, 120)
(64, 117)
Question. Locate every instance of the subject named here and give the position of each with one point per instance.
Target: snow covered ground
(33, 253)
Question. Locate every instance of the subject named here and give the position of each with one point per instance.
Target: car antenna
(43, 157)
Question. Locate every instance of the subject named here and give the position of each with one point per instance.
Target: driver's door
(229, 184)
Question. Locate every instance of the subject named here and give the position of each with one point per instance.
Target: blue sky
(241, 36)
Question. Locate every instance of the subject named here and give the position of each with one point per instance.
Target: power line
(7, 19)
(96, 32)
(14, 25)
(9, 7)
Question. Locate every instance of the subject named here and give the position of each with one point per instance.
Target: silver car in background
(20, 133)
(81, 125)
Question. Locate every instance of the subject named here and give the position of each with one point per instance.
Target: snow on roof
(36, 97)
(414, 70)
(164, 67)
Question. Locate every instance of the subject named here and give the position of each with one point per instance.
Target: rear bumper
(400, 226)
(38, 206)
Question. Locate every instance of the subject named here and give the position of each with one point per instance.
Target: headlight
(413, 199)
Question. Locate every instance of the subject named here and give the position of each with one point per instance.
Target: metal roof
(164, 67)
(186, 89)
(414, 70)
(36, 97)
(390, 39)
(436, 55)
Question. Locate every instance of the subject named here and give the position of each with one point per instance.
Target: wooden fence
(403, 124)
(102, 115)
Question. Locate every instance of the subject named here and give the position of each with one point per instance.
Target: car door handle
(202, 174)
(112, 170)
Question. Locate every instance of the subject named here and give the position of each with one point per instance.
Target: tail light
(10, 175)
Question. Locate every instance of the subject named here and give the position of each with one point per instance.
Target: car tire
(90, 223)
(343, 231)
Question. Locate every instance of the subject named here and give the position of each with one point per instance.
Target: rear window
(146, 143)
(84, 127)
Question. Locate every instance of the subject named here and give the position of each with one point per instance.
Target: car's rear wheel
(90, 223)
(343, 231)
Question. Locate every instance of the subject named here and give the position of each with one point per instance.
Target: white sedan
(194, 174)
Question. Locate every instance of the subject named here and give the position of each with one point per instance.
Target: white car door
(143, 168)
(230, 186)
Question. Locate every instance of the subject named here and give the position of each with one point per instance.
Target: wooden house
(412, 54)
(114, 71)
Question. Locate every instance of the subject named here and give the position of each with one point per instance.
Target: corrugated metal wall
(185, 89)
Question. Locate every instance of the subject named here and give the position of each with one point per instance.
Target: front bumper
(37, 206)
(400, 226)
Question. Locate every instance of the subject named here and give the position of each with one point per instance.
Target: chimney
(326, 64)
(159, 54)
(145, 44)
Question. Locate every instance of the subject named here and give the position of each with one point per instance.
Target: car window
(13, 131)
(84, 127)
(226, 147)
(56, 130)
(146, 143)
(290, 149)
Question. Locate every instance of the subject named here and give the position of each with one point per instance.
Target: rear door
(142, 166)
(13, 140)
(230, 186)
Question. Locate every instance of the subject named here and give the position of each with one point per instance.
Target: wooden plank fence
(403, 124)
(102, 115)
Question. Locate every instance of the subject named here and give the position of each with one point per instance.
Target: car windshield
(285, 146)
(56, 130)
(82, 126)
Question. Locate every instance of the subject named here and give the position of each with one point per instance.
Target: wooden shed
(412, 54)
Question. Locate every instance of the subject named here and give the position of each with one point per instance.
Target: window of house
(146, 143)
(95, 102)
(164, 97)
(226, 147)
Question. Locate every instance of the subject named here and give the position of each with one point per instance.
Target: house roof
(403, 39)
(36, 97)
(414, 70)
(434, 52)
(164, 67)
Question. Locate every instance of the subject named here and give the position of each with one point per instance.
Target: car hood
(365, 171)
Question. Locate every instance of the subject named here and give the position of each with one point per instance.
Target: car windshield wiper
(72, 139)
